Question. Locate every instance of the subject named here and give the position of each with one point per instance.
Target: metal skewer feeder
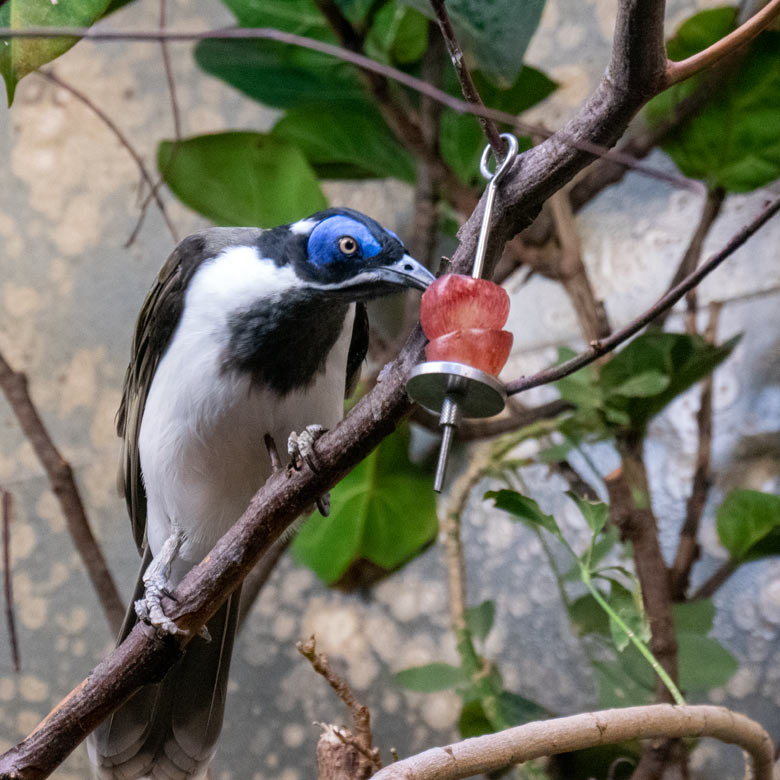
(456, 390)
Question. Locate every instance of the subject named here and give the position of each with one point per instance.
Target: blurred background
(70, 290)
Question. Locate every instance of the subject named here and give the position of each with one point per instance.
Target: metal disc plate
(478, 394)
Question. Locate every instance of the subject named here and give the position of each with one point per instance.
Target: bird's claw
(300, 446)
(323, 504)
(150, 609)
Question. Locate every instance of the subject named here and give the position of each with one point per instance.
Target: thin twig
(60, 474)
(467, 85)
(177, 131)
(10, 620)
(665, 302)
(710, 211)
(571, 271)
(688, 546)
(121, 137)
(361, 717)
(679, 71)
(718, 577)
(490, 752)
(366, 63)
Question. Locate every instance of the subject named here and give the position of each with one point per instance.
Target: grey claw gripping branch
(456, 390)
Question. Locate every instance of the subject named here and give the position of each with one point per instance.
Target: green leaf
(359, 141)
(383, 510)
(644, 385)
(524, 508)
(479, 620)
(587, 616)
(604, 545)
(595, 513)
(472, 721)
(241, 178)
(617, 687)
(516, 709)
(283, 76)
(20, 56)
(694, 617)
(684, 359)
(495, 34)
(748, 524)
(555, 453)
(628, 606)
(430, 677)
(399, 35)
(703, 663)
(296, 16)
(462, 140)
(732, 142)
(580, 388)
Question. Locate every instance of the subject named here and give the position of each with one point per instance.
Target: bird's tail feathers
(168, 731)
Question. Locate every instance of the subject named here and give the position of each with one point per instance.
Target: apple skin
(455, 302)
(484, 348)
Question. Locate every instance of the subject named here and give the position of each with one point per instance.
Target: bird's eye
(348, 245)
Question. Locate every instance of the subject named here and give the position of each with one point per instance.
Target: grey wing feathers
(358, 348)
(156, 323)
(169, 731)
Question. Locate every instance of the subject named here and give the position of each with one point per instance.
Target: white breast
(201, 441)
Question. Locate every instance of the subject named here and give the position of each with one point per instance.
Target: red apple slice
(455, 302)
(484, 348)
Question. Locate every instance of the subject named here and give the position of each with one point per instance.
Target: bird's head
(348, 255)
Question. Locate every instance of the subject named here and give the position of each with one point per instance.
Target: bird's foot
(323, 504)
(157, 585)
(300, 446)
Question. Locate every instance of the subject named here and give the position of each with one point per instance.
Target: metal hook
(493, 180)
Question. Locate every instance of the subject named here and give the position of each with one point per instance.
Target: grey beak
(406, 272)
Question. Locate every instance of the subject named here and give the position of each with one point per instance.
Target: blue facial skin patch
(323, 244)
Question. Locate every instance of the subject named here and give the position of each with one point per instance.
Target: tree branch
(679, 71)
(576, 140)
(10, 620)
(58, 470)
(688, 545)
(662, 304)
(633, 76)
(561, 735)
(467, 85)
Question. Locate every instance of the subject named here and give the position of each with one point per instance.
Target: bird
(246, 332)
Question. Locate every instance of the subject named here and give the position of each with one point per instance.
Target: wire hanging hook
(493, 180)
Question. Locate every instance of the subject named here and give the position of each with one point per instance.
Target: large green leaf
(20, 56)
(399, 35)
(733, 142)
(384, 511)
(681, 358)
(480, 619)
(281, 75)
(430, 677)
(494, 34)
(462, 140)
(525, 509)
(748, 523)
(346, 144)
(241, 178)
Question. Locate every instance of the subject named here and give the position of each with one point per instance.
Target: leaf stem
(641, 646)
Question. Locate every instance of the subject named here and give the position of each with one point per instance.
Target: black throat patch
(285, 344)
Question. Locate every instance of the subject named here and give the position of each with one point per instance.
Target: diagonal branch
(679, 71)
(58, 470)
(467, 85)
(121, 137)
(599, 348)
